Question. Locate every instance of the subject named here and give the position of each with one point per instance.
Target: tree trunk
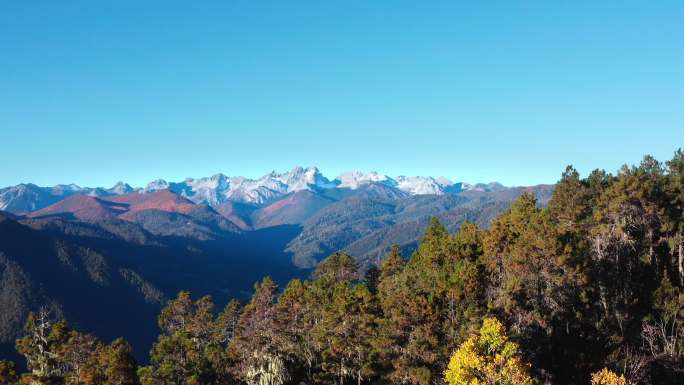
(681, 261)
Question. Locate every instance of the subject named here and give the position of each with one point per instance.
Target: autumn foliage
(488, 358)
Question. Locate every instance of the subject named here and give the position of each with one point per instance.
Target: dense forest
(587, 290)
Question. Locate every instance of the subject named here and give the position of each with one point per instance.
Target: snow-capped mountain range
(220, 188)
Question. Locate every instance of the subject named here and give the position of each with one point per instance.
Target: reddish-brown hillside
(84, 208)
(87, 208)
(163, 200)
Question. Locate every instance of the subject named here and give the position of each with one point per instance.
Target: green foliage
(191, 349)
(428, 303)
(337, 267)
(120, 366)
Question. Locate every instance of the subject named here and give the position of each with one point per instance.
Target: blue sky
(94, 92)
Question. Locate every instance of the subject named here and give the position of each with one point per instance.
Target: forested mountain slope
(366, 225)
(112, 277)
(588, 289)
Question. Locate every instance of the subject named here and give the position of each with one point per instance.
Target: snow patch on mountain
(210, 190)
(220, 188)
(419, 185)
(120, 188)
(156, 185)
(356, 179)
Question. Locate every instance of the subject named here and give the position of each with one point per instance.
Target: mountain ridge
(220, 188)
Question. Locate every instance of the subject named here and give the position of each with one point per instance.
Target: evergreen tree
(392, 265)
(415, 305)
(120, 366)
(181, 354)
(258, 339)
(337, 267)
(673, 225)
(344, 332)
(221, 351)
(297, 315)
(466, 284)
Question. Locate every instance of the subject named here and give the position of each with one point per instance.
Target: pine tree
(220, 351)
(466, 285)
(258, 339)
(180, 355)
(297, 315)
(393, 264)
(345, 331)
(120, 366)
(672, 223)
(413, 304)
(337, 267)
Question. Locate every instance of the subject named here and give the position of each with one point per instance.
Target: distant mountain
(161, 212)
(28, 197)
(219, 189)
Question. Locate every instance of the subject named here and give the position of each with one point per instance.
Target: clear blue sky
(93, 92)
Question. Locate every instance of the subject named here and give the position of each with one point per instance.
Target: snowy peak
(217, 181)
(274, 185)
(444, 182)
(485, 187)
(220, 188)
(120, 188)
(413, 185)
(156, 185)
(300, 178)
(210, 190)
(419, 185)
(356, 179)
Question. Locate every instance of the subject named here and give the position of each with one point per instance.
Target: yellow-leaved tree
(488, 358)
(607, 377)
